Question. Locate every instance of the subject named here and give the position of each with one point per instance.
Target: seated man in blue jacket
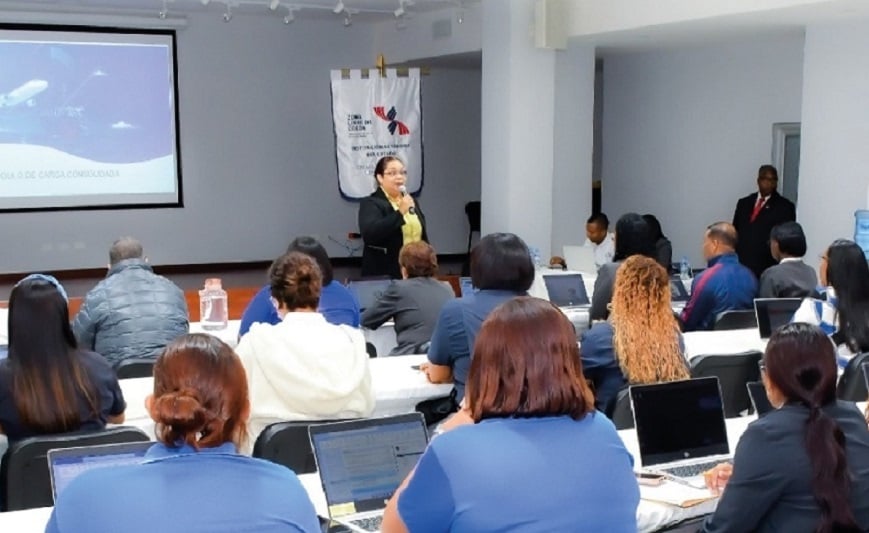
(724, 285)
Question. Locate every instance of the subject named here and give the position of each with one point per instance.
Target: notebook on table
(773, 313)
(566, 290)
(680, 428)
(579, 258)
(362, 462)
(65, 464)
(368, 291)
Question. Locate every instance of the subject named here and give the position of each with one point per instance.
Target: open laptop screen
(68, 463)
(566, 290)
(466, 285)
(368, 291)
(362, 462)
(773, 313)
(677, 290)
(759, 399)
(679, 420)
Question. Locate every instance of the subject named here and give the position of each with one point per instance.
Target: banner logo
(390, 117)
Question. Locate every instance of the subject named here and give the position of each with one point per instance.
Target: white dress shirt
(603, 252)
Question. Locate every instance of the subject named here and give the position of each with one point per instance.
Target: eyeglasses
(396, 173)
(761, 366)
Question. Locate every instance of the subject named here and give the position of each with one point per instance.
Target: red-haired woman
(533, 455)
(193, 479)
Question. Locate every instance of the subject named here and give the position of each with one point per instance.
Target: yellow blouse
(411, 231)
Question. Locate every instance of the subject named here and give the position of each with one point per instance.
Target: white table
(722, 342)
(383, 338)
(397, 389)
(4, 323)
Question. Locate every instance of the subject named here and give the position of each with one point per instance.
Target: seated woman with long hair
(843, 313)
(47, 384)
(193, 479)
(303, 368)
(414, 302)
(528, 452)
(640, 343)
(805, 465)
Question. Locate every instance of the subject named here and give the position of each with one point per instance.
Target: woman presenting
(388, 219)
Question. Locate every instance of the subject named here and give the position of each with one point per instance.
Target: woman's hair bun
(180, 411)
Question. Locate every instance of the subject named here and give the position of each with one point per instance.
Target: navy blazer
(380, 225)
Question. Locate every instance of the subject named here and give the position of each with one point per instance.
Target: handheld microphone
(403, 191)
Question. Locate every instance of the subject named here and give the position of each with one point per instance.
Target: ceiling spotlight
(399, 12)
(339, 7)
(205, 2)
(347, 20)
(163, 12)
(227, 16)
(290, 17)
(274, 5)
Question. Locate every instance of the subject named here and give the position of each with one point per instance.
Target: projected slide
(87, 119)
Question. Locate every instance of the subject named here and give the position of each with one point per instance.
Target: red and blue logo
(390, 117)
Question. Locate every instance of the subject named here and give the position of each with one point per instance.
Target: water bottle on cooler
(684, 269)
(213, 308)
(861, 230)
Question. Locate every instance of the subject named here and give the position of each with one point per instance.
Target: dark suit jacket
(791, 279)
(415, 304)
(753, 237)
(380, 226)
(771, 486)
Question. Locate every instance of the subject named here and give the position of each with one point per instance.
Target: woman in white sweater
(303, 368)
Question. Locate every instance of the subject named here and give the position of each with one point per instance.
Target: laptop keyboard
(690, 470)
(368, 524)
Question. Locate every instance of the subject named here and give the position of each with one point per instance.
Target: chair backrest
(735, 319)
(622, 414)
(25, 482)
(288, 444)
(135, 367)
(733, 372)
(852, 384)
(472, 209)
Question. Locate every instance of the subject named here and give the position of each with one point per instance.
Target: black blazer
(753, 237)
(380, 226)
(771, 486)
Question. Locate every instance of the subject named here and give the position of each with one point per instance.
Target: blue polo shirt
(524, 475)
(213, 490)
(452, 342)
(337, 304)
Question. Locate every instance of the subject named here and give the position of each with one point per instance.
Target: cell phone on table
(649, 478)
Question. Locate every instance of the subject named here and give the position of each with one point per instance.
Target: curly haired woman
(640, 343)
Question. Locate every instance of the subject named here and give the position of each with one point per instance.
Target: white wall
(834, 158)
(258, 153)
(686, 129)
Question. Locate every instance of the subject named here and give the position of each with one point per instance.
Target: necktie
(757, 207)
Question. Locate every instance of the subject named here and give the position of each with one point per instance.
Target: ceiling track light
(348, 20)
(163, 12)
(290, 16)
(274, 5)
(339, 7)
(227, 15)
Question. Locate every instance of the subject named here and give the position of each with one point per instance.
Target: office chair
(288, 444)
(135, 367)
(733, 372)
(852, 383)
(735, 319)
(24, 479)
(472, 210)
(621, 413)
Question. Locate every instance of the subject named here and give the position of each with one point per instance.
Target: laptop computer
(566, 290)
(677, 291)
(680, 428)
(759, 400)
(466, 285)
(773, 313)
(367, 291)
(362, 463)
(579, 258)
(65, 464)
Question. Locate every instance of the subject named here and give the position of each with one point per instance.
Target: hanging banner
(376, 117)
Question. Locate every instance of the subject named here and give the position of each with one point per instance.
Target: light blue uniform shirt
(180, 490)
(524, 475)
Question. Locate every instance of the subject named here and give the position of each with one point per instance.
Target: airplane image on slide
(24, 93)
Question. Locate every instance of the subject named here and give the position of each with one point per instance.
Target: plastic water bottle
(213, 308)
(535, 257)
(684, 269)
(861, 230)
